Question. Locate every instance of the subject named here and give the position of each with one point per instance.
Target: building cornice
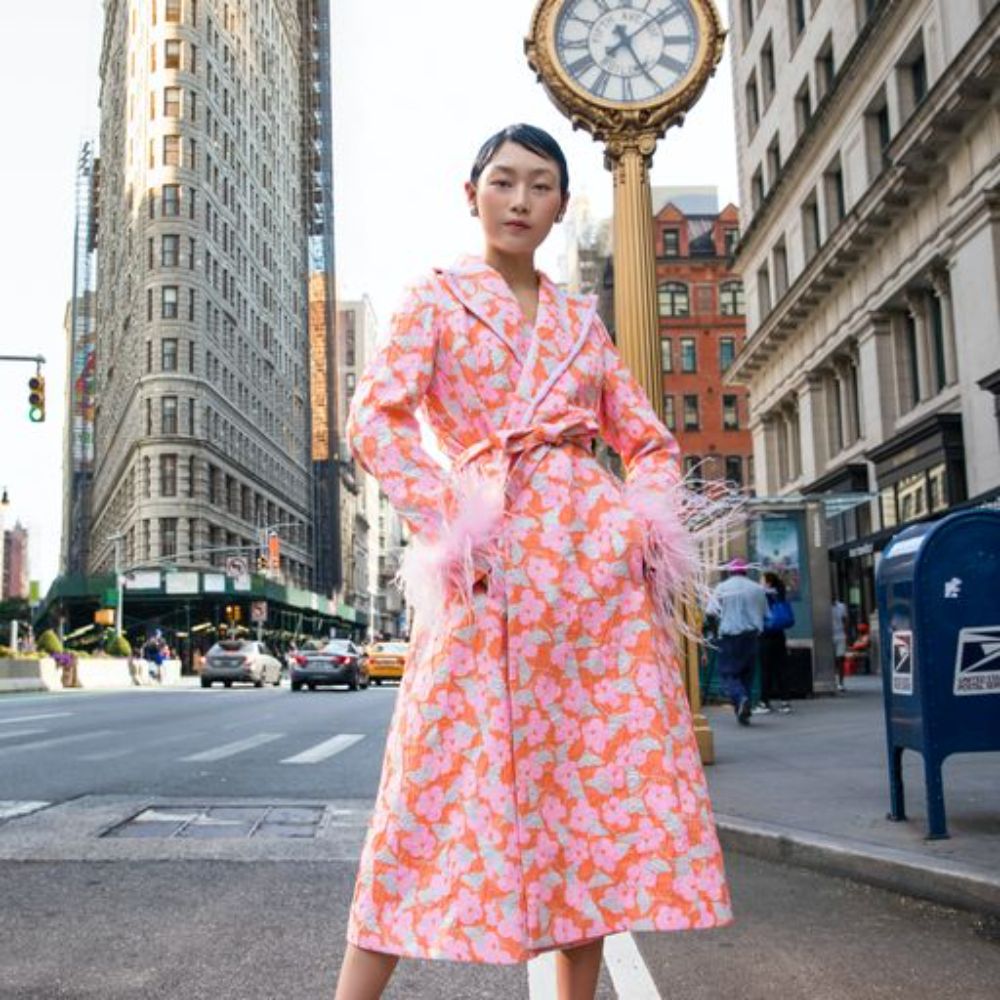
(914, 157)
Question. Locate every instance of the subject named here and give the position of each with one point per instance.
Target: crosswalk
(629, 973)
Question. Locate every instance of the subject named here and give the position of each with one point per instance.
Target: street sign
(258, 611)
(236, 566)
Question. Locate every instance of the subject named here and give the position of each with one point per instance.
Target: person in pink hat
(740, 604)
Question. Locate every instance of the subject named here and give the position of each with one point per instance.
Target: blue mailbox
(939, 617)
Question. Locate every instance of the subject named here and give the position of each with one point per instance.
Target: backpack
(779, 617)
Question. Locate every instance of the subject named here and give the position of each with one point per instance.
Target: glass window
(671, 242)
(689, 355)
(168, 410)
(938, 487)
(669, 413)
(666, 354)
(168, 536)
(912, 497)
(172, 11)
(727, 352)
(674, 299)
(168, 354)
(691, 413)
(172, 53)
(171, 199)
(172, 102)
(731, 298)
(730, 414)
(734, 470)
(168, 475)
(732, 237)
(170, 249)
(168, 302)
(172, 150)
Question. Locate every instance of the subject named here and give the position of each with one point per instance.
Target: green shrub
(118, 645)
(49, 642)
(6, 653)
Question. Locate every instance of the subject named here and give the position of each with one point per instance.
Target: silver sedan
(241, 660)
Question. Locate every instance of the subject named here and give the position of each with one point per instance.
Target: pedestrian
(541, 786)
(838, 615)
(740, 605)
(773, 652)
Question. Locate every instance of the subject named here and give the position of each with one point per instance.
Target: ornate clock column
(626, 74)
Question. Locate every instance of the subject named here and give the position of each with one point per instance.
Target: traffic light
(36, 398)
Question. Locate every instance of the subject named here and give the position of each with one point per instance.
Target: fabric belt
(514, 442)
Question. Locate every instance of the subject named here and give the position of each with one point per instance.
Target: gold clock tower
(626, 70)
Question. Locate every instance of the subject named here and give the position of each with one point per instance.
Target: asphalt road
(91, 917)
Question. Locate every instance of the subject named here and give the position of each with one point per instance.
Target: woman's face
(517, 200)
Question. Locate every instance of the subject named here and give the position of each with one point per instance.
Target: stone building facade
(869, 159)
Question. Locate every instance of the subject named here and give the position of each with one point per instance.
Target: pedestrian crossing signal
(36, 399)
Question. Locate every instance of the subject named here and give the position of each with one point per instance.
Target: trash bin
(938, 590)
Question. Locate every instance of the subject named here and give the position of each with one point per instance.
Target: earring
(473, 211)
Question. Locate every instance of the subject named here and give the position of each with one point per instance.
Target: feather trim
(433, 573)
(686, 534)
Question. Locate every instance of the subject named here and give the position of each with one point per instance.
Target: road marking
(628, 971)
(325, 749)
(58, 740)
(137, 751)
(231, 749)
(10, 808)
(13, 734)
(33, 718)
(542, 977)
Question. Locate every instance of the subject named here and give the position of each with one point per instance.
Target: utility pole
(117, 539)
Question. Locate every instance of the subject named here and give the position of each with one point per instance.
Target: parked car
(386, 661)
(241, 660)
(337, 661)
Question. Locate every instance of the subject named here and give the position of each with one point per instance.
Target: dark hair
(775, 581)
(531, 138)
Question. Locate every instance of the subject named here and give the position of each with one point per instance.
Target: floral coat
(541, 784)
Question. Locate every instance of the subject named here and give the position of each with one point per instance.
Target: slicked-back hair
(531, 138)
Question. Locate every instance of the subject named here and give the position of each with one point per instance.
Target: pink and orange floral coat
(541, 784)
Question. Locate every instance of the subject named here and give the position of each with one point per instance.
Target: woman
(773, 647)
(541, 785)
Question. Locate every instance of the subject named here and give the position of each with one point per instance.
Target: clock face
(627, 52)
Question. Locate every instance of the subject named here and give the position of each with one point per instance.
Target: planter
(30, 675)
(103, 672)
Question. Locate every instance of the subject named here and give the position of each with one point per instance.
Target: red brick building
(702, 327)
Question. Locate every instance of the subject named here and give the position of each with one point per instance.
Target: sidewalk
(812, 788)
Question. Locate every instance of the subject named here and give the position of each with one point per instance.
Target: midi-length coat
(541, 784)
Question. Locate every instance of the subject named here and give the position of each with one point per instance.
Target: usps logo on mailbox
(902, 662)
(977, 661)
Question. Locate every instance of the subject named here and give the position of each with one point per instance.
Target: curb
(946, 883)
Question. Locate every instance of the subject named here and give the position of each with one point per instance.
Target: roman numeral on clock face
(601, 83)
(580, 66)
(672, 64)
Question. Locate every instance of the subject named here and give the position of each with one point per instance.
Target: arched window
(731, 298)
(674, 299)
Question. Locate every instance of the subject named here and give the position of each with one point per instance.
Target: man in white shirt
(740, 605)
(838, 613)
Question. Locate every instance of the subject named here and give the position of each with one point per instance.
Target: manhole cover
(214, 822)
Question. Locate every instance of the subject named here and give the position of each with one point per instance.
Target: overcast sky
(417, 88)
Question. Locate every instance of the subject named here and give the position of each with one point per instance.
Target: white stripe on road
(542, 977)
(628, 971)
(137, 750)
(10, 808)
(58, 740)
(231, 749)
(325, 749)
(33, 718)
(13, 734)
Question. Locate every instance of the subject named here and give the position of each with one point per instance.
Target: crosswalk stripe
(628, 971)
(12, 734)
(325, 749)
(33, 718)
(10, 808)
(135, 749)
(56, 741)
(542, 977)
(231, 749)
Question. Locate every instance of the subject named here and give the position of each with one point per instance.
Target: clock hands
(624, 38)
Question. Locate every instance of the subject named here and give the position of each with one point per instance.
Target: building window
(836, 203)
(731, 298)
(746, 7)
(671, 242)
(773, 161)
(168, 302)
(810, 227)
(170, 250)
(168, 414)
(731, 237)
(911, 77)
(878, 135)
(727, 353)
(171, 196)
(350, 381)
(764, 290)
(692, 468)
(172, 150)
(149, 417)
(734, 470)
(767, 76)
(168, 536)
(826, 71)
(168, 354)
(172, 102)
(191, 476)
(691, 422)
(172, 11)
(213, 496)
(796, 20)
(689, 355)
(674, 299)
(172, 53)
(757, 189)
(168, 475)
(753, 104)
(803, 108)
(936, 319)
(149, 357)
(730, 413)
(669, 413)
(780, 254)
(666, 354)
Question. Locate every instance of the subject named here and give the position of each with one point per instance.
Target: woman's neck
(517, 271)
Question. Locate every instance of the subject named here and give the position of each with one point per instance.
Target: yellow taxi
(386, 660)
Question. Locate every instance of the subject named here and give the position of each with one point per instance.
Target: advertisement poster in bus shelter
(777, 549)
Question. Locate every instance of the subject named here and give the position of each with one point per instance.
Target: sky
(417, 88)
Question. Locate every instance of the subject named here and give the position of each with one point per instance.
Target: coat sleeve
(382, 429)
(654, 489)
